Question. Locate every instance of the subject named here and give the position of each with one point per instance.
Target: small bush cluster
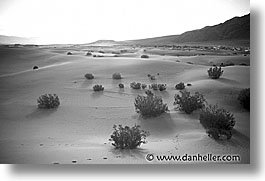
(143, 86)
(98, 88)
(98, 55)
(128, 138)
(144, 56)
(180, 86)
(48, 101)
(88, 54)
(150, 105)
(135, 85)
(160, 87)
(152, 77)
(35, 67)
(244, 98)
(121, 85)
(116, 76)
(217, 121)
(215, 72)
(89, 76)
(69, 53)
(189, 103)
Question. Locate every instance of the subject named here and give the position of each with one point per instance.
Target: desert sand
(79, 129)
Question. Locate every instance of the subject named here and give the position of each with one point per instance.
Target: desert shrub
(189, 84)
(144, 86)
(116, 76)
(189, 103)
(128, 138)
(215, 72)
(94, 55)
(135, 85)
(101, 51)
(98, 88)
(157, 74)
(88, 54)
(89, 76)
(148, 75)
(152, 77)
(48, 101)
(69, 53)
(244, 98)
(160, 87)
(35, 67)
(180, 86)
(121, 85)
(217, 121)
(189, 62)
(144, 56)
(150, 105)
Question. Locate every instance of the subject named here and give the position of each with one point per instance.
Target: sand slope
(80, 128)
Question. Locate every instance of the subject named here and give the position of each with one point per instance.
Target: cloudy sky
(82, 21)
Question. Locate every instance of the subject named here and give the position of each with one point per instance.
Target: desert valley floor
(80, 128)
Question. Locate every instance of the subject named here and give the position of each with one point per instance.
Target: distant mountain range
(16, 40)
(236, 29)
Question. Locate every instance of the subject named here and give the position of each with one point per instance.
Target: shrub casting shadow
(40, 113)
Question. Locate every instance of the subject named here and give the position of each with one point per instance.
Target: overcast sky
(82, 21)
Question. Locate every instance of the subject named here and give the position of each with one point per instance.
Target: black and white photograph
(145, 82)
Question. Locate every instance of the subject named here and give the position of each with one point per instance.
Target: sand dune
(80, 128)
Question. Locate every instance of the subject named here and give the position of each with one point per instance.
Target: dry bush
(217, 121)
(48, 101)
(180, 86)
(135, 85)
(98, 88)
(128, 138)
(189, 103)
(215, 72)
(150, 105)
(244, 98)
(116, 76)
(89, 76)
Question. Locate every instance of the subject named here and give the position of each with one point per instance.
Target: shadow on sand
(40, 113)
(96, 95)
(86, 83)
(238, 140)
(227, 81)
(162, 125)
(133, 153)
